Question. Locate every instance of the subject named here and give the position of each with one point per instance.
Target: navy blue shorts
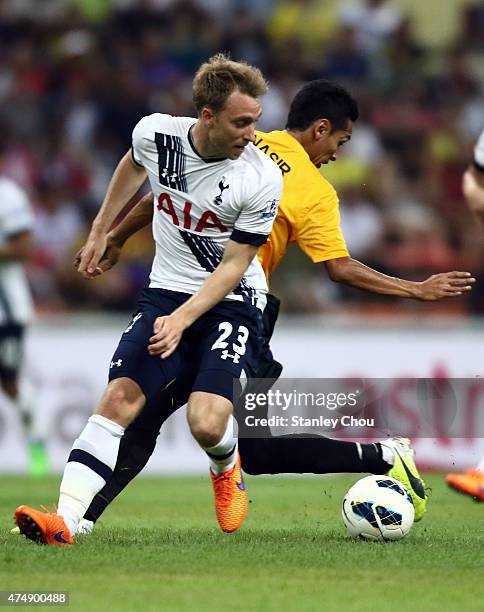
(221, 346)
(11, 350)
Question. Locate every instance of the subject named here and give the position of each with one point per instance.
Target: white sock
(480, 465)
(80, 483)
(223, 455)
(25, 404)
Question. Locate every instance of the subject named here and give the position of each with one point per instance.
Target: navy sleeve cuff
(132, 157)
(248, 237)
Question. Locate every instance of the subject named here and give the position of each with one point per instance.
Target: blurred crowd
(76, 76)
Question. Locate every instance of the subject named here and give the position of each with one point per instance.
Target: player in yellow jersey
(308, 216)
(319, 123)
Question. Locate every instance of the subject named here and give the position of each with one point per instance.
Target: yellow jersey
(309, 207)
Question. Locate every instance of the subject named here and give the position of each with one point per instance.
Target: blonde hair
(217, 78)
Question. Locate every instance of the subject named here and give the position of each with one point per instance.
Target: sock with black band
(89, 467)
(223, 455)
(310, 455)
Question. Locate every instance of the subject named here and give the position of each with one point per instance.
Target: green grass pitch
(158, 548)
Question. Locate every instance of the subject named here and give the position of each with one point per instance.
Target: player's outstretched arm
(125, 182)
(473, 188)
(168, 330)
(352, 272)
(138, 217)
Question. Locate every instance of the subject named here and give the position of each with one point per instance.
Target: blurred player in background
(217, 196)
(16, 310)
(473, 181)
(472, 481)
(319, 123)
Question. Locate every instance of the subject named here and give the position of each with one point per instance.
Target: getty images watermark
(287, 402)
(355, 408)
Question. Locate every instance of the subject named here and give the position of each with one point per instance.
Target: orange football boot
(42, 527)
(231, 502)
(471, 483)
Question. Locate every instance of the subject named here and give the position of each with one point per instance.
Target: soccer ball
(378, 508)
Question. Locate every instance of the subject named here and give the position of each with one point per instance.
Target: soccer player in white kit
(216, 196)
(472, 481)
(16, 311)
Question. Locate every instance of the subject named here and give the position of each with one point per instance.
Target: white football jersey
(201, 203)
(15, 217)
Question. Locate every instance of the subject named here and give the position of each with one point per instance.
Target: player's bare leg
(89, 466)
(213, 426)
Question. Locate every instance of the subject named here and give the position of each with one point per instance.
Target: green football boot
(405, 470)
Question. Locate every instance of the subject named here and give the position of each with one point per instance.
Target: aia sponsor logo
(207, 220)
